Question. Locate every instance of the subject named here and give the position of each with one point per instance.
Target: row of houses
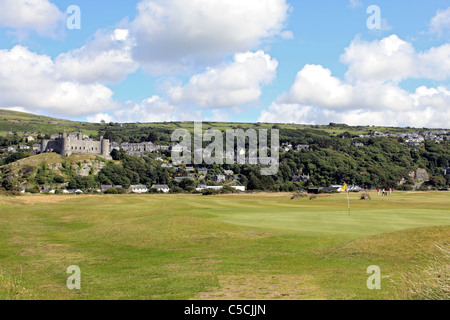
(413, 138)
(334, 188)
(140, 189)
(202, 187)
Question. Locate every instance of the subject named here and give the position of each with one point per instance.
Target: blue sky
(282, 61)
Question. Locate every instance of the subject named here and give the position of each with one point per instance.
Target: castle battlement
(68, 144)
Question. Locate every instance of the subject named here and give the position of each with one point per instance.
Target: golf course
(237, 246)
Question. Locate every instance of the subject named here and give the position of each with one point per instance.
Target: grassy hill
(384, 162)
(13, 121)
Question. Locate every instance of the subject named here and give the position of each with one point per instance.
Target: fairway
(249, 246)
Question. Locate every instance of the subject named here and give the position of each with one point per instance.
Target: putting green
(253, 246)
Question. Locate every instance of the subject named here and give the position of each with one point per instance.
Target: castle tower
(44, 144)
(105, 148)
(65, 145)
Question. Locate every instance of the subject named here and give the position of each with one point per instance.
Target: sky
(300, 61)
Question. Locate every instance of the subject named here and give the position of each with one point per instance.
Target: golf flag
(345, 188)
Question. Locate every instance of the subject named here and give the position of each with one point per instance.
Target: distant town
(201, 178)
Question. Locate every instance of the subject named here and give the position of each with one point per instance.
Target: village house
(301, 147)
(219, 178)
(201, 187)
(300, 178)
(228, 172)
(161, 187)
(138, 189)
(203, 171)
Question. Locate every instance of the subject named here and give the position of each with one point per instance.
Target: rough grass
(261, 246)
(431, 283)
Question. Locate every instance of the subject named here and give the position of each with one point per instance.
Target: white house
(138, 189)
(161, 187)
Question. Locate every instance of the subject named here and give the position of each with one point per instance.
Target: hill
(19, 122)
(334, 154)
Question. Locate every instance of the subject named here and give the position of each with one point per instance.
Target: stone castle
(68, 144)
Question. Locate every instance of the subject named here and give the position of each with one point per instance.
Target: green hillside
(19, 122)
(335, 154)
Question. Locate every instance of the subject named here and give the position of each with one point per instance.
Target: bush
(365, 196)
(115, 191)
(209, 192)
(298, 195)
(227, 190)
(34, 189)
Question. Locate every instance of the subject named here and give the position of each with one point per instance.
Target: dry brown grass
(12, 288)
(432, 283)
(263, 286)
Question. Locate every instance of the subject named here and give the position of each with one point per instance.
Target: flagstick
(348, 201)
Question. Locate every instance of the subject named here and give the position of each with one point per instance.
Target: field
(13, 121)
(254, 246)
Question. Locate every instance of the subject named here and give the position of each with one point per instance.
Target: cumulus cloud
(154, 109)
(99, 117)
(421, 116)
(315, 85)
(107, 58)
(174, 34)
(30, 81)
(393, 59)
(388, 59)
(440, 23)
(40, 16)
(230, 85)
(371, 93)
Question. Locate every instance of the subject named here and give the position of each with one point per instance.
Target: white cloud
(422, 116)
(440, 23)
(174, 34)
(288, 113)
(230, 85)
(315, 85)
(99, 117)
(355, 3)
(371, 93)
(388, 59)
(154, 109)
(40, 16)
(30, 81)
(393, 59)
(107, 58)
(435, 63)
